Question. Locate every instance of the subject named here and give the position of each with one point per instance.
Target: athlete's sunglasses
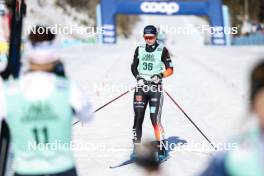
(149, 37)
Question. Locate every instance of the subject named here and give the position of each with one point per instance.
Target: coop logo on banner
(162, 7)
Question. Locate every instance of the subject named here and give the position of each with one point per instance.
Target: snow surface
(210, 83)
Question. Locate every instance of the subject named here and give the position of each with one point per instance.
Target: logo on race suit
(139, 98)
(154, 99)
(162, 7)
(148, 57)
(152, 110)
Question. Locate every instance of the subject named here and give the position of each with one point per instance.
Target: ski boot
(163, 156)
(162, 152)
(133, 154)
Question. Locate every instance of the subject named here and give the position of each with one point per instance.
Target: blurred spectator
(147, 158)
(45, 102)
(256, 27)
(246, 26)
(259, 28)
(161, 37)
(248, 158)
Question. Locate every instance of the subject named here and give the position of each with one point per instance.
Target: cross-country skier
(151, 64)
(39, 109)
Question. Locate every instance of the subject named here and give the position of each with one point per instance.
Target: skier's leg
(155, 104)
(140, 103)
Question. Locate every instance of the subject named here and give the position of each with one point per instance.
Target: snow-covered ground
(210, 83)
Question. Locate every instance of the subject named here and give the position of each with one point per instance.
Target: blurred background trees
(124, 23)
(254, 9)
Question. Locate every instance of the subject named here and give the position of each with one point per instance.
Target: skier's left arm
(81, 105)
(166, 59)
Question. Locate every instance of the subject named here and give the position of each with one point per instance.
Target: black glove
(140, 81)
(59, 69)
(156, 79)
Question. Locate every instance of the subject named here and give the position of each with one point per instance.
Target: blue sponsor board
(210, 8)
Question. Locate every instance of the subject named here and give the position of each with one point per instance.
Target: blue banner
(210, 8)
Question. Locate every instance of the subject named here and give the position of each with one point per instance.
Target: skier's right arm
(135, 63)
(81, 105)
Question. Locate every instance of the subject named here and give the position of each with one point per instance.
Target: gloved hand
(59, 69)
(140, 81)
(156, 79)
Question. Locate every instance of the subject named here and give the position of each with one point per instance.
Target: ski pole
(174, 101)
(111, 101)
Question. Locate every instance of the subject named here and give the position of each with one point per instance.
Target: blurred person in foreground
(248, 158)
(146, 157)
(39, 109)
